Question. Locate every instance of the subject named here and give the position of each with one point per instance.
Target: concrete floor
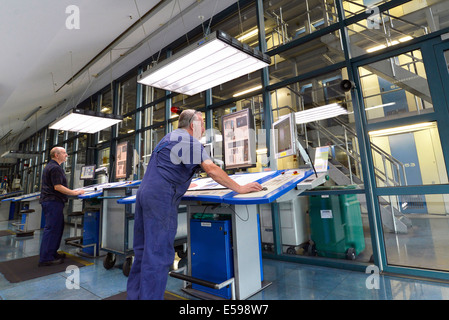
(290, 281)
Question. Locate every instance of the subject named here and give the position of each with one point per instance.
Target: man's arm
(67, 191)
(216, 173)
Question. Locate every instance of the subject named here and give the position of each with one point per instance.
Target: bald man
(54, 192)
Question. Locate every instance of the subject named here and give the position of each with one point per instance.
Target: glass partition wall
(410, 175)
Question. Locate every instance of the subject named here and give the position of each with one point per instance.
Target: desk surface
(277, 183)
(11, 194)
(27, 197)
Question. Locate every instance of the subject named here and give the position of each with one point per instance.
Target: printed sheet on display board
(206, 189)
(244, 178)
(274, 188)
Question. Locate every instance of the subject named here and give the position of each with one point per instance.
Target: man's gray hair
(55, 151)
(186, 118)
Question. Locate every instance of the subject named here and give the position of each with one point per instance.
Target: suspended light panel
(85, 121)
(320, 113)
(402, 129)
(214, 60)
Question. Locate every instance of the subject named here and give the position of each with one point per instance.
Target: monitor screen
(284, 136)
(239, 140)
(87, 172)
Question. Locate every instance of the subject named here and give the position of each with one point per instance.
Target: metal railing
(329, 16)
(390, 172)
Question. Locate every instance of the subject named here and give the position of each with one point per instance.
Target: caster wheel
(109, 261)
(311, 249)
(127, 266)
(291, 250)
(182, 254)
(182, 263)
(350, 254)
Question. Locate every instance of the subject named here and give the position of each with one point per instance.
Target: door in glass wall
(408, 141)
(417, 239)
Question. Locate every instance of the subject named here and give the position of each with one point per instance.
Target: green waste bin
(336, 224)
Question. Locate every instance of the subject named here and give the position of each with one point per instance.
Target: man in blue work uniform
(53, 197)
(173, 162)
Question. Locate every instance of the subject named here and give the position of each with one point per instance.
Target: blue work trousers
(154, 236)
(54, 227)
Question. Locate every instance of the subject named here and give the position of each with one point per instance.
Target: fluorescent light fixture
(16, 154)
(214, 60)
(376, 48)
(320, 113)
(392, 43)
(402, 129)
(248, 35)
(247, 91)
(381, 106)
(378, 106)
(406, 38)
(85, 121)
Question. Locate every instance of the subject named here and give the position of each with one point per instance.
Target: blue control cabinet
(211, 254)
(91, 231)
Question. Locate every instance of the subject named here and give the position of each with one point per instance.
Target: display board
(239, 140)
(123, 166)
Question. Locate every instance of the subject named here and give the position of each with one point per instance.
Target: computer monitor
(87, 172)
(239, 140)
(284, 136)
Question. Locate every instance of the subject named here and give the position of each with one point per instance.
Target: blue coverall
(172, 165)
(52, 202)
